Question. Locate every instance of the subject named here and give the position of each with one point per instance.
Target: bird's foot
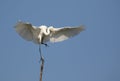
(45, 44)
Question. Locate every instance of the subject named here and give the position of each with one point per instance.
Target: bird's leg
(45, 44)
(43, 40)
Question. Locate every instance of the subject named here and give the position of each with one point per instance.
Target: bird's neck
(46, 31)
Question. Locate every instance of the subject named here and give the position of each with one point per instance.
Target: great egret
(43, 34)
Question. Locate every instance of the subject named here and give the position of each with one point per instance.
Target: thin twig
(42, 63)
(41, 69)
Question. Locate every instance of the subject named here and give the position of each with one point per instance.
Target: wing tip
(82, 27)
(18, 22)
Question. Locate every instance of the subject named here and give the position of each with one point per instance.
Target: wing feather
(61, 34)
(25, 30)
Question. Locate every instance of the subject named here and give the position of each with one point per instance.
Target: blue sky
(93, 55)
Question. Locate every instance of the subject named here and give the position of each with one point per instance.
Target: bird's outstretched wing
(61, 34)
(25, 30)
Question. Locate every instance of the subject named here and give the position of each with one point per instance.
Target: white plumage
(43, 34)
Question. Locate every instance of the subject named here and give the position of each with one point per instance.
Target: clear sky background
(93, 55)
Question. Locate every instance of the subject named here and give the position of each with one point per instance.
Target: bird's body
(43, 34)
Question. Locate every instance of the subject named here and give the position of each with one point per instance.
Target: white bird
(43, 34)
